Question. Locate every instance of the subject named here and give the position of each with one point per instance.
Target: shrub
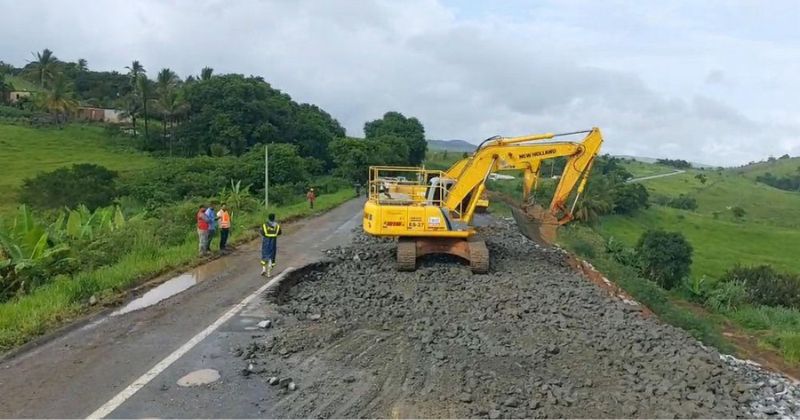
(14, 112)
(697, 288)
(583, 248)
(285, 194)
(664, 257)
(330, 184)
(179, 179)
(675, 163)
(683, 202)
(727, 296)
(173, 222)
(738, 212)
(88, 184)
(621, 254)
(630, 197)
(765, 286)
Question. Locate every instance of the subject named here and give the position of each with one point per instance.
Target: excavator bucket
(536, 223)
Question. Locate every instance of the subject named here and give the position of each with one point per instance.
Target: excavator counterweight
(431, 212)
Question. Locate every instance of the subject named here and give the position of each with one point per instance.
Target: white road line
(143, 380)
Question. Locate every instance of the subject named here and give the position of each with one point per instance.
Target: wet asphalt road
(79, 371)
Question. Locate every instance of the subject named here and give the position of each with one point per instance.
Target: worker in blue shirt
(211, 215)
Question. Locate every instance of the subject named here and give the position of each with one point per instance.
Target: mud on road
(530, 339)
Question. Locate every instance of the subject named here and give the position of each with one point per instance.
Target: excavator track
(406, 254)
(478, 256)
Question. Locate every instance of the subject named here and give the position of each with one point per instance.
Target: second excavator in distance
(431, 211)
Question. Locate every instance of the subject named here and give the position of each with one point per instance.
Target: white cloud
(650, 74)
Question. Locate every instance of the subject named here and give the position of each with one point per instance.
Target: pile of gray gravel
(530, 339)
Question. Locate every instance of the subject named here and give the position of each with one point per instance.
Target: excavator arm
(526, 154)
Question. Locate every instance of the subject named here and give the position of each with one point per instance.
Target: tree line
(216, 115)
(789, 182)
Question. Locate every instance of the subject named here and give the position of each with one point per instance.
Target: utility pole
(266, 176)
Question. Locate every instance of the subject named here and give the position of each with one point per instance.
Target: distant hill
(452, 145)
(653, 160)
(637, 158)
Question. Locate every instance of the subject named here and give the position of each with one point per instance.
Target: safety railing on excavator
(408, 186)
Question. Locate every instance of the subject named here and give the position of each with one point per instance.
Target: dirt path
(530, 339)
(644, 178)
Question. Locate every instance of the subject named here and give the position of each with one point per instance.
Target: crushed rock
(530, 339)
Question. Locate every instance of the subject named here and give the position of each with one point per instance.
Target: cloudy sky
(709, 81)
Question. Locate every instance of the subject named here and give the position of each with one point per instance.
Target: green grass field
(641, 169)
(768, 233)
(27, 151)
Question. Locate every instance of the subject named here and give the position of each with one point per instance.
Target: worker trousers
(223, 238)
(269, 250)
(202, 239)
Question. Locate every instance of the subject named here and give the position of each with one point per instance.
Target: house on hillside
(15, 96)
(113, 116)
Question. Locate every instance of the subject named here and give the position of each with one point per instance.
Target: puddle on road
(199, 377)
(178, 284)
(168, 288)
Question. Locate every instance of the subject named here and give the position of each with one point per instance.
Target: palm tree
(589, 209)
(134, 70)
(145, 95)
(131, 108)
(597, 201)
(206, 73)
(172, 105)
(83, 65)
(141, 87)
(44, 67)
(169, 101)
(59, 100)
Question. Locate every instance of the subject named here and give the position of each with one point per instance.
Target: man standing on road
(202, 230)
(269, 244)
(311, 197)
(224, 226)
(211, 215)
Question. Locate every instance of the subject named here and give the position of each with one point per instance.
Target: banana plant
(237, 195)
(81, 223)
(25, 245)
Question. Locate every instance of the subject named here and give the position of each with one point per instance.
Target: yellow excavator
(431, 211)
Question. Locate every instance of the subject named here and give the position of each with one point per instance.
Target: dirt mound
(530, 339)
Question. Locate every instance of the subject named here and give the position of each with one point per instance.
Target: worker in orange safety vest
(224, 225)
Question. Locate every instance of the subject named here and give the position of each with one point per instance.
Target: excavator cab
(437, 188)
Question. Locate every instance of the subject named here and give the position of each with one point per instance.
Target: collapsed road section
(355, 338)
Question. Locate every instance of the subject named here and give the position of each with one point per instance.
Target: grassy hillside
(769, 233)
(27, 151)
(777, 167)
